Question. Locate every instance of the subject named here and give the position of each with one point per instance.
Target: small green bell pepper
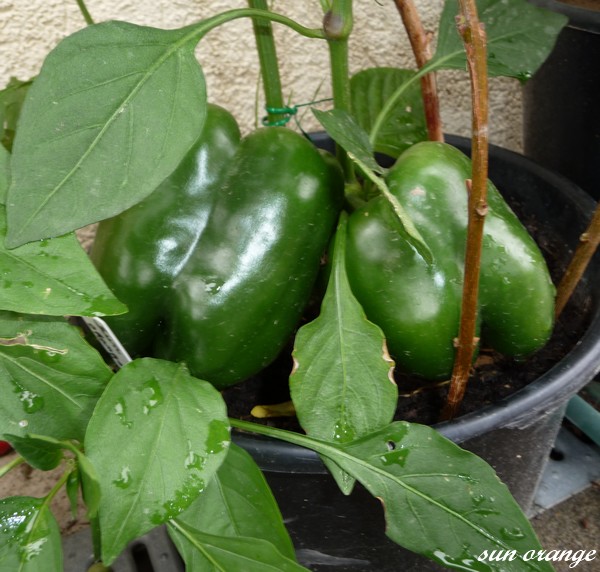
(417, 303)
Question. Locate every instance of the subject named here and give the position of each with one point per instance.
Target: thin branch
(588, 243)
(474, 39)
(419, 42)
(85, 12)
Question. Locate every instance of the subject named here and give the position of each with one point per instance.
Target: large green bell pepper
(417, 303)
(140, 252)
(226, 278)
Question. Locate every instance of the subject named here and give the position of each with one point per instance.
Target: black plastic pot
(333, 532)
(561, 103)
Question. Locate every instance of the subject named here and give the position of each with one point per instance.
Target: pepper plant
(206, 257)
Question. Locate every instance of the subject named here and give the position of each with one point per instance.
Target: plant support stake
(420, 46)
(588, 243)
(474, 39)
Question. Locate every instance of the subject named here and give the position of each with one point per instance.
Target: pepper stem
(421, 50)
(474, 39)
(588, 243)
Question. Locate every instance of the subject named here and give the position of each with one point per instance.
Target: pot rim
(579, 18)
(519, 410)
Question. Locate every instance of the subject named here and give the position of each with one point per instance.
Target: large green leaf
(225, 553)
(439, 500)
(237, 503)
(50, 378)
(156, 438)
(113, 111)
(29, 536)
(53, 277)
(520, 37)
(405, 124)
(342, 385)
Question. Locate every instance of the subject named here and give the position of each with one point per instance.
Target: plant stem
(200, 29)
(337, 26)
(588, 243)
(475, 44)
(267, 54)
(11, 465)
(312, 443)
(85, 12)
(420, 46)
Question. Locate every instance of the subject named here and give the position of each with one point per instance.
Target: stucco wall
(30, 28)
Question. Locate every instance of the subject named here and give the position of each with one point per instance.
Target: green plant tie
(286, 113)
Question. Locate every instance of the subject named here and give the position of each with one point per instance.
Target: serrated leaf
(440, 500)
(37, 452)
(342, 385)
(29, 536)
(405, 124)
(347, 133)
(153, 415)
(53, 277)
(520, 37)
(237, 503)
(113, 111)
(235, 553)
(50, 378)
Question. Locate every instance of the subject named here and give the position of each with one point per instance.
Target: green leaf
(4, 174)
(72, 490)
(53, 277)
(29, 536)
(344, 130)
(236, 503)
(90, 485)
(342, 385)
(440, 500)
(113, 111)
(347, 133)
(405, 124)
(11, 101)
(520, 37)
(50, 378)
(156, 438)
(40, 453)
(223, 553)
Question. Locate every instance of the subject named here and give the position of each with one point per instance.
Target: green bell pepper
(140, 252)
(221, 283)
(416, 303)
